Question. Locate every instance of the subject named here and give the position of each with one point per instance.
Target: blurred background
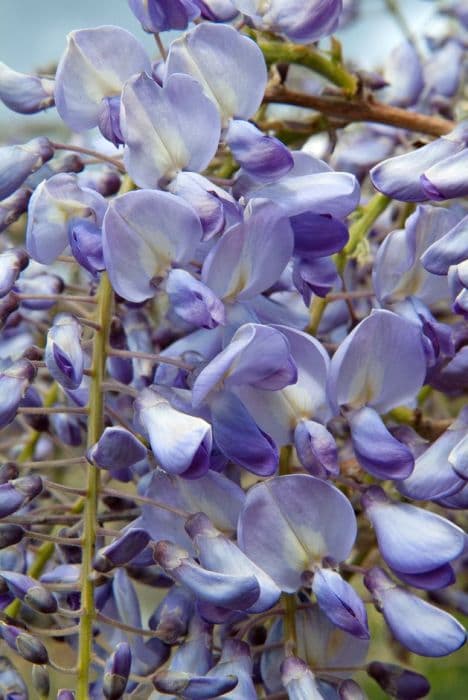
(32, 37)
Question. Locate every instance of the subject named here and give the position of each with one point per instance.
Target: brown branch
(354, 110)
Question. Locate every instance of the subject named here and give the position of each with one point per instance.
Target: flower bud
(24, 93)
(29, 591)
(17, 493)
(171, 618)
(67, 428)
(10, 535)
(120, 368)
(64, 694)
(350, 690)
(86, 244)
(398, 682)
(116, 672)
(8, 471)
(13, 206)
(33, 399)
(11, 681)
(8, 305)
(63, 354)
(24, 644)
(122, 550)
(13, 383)
(12, 262)
(39, 284)
(41, 681)
(19, 161)
(109, 120)
(117, 448)
(162, 15)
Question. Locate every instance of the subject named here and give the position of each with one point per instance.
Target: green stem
(286, 52)
(95, 428)
(317, 309)
(360, 228)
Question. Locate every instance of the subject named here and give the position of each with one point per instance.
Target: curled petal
(180, 442)
(376, 450)
(339, 601)
(411, 540)
(420, 627)
(26, 94)
(194, 301)
(399, 177)
(237, 592)
(21, 160)
(261, 156)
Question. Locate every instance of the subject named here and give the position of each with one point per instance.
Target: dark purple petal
(86, 244)
(229, 591)
(117, 448)
(316, 235)
(256, 451)
(263, 157)
(316, 448)
(376, 450)
(163, 15)
(430, 580)
(194, 301)
(399, 682)
(122, 550)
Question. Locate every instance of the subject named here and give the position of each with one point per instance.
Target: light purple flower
(217, 55)
(95, 65)
(54, 203)
(163, 15)
(26, 94)
(167, 129)
(310, 519)
(299, 21)
(144, 233)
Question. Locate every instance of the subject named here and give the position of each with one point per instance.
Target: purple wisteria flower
(232, 375)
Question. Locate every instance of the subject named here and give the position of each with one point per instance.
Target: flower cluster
(233, 359)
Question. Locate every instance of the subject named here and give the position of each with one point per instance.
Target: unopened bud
(13, 206)
(41, 681)
(116, 672)
(10, 535)
(65, 694)
(12, 262)
(20, 160)
(29, 591)
(63, 354)
(122, 550)
(24, 644)
(398, 682)
(23, 93)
